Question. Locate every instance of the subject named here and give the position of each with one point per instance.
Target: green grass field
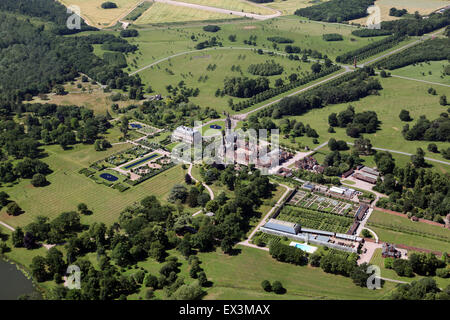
(431, 71)
(397, 94)
(407, 232)
(68, 188)
(239, 277)
(192, 69)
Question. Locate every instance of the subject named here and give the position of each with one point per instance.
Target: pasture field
(98, 17)
(234, 5)
(398, 230)
(168, 13)
(397, 94)
(428, 71)
(159, 43)
(207, 71)
(68, 188)
(378, 260)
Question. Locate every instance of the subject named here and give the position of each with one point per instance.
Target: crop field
(235, 5)
(288, 7)
(167, 13)
(432, 71)
(68, 188)
(315, 220)
(98, 17)
(397, 94)
(403, 229)
(424, 7)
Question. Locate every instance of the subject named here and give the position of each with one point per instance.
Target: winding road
(211, 193)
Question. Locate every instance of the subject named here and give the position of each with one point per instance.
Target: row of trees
(430, 50)
(269, 68)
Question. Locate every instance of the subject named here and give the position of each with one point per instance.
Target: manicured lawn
(68, 188)
(395, 229)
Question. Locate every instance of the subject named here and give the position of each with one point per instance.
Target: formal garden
(310, 200)
(315, 219)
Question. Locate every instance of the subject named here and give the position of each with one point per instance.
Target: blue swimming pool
(215, 126)
(109, 177)
(131, 165)
(304, 247)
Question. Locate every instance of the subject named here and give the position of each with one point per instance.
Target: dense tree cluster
(127, 33)
(332, 37)
(394, 12)
(245, 87)
(278, 39)
(365, 33)
(430, 50)
(336, 10)
(285, 253)
(268, 68)
(356, 123)
(417, 26)
(337, 163)
(370, 49)
(35, 60)
(212, 42)
(109, 5)
(47, 10)
(211, 28)
(418, 191)
(424, 129)
(423, 289)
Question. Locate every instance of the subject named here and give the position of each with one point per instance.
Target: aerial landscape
(224, 150)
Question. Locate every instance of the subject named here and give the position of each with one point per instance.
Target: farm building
(353, 228)
(337, 190)
(309, 186)
(361, 212)
(366, 177)
(389, 251)
(283, 226)
(370, 171)
(348, 173)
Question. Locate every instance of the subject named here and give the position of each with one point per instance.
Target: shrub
(332, 37)
(277, 287)
(211, 28)
(109, 5)
(265, 284)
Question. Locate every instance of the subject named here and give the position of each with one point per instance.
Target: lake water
(13, 282)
